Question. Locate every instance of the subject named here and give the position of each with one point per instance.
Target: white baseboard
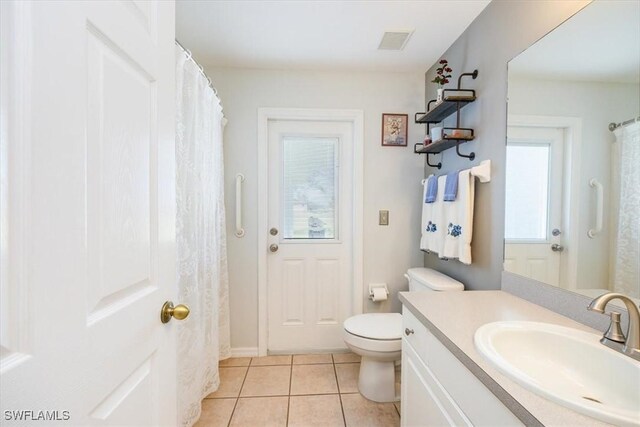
(244, 352)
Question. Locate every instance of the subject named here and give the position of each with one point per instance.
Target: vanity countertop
(454, 317)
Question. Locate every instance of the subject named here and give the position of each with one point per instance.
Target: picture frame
(394, 129)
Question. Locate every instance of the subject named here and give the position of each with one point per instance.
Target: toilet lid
(375, 326)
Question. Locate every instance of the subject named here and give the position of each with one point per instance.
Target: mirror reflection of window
(527, 193)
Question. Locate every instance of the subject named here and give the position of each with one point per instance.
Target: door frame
(573, 139)
(356, 118)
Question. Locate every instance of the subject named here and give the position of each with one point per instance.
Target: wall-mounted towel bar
(482, 172)
(239, 229)
(599, 208)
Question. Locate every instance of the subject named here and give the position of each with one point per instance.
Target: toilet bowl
(377, 337)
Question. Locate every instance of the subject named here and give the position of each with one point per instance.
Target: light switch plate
(383, 217)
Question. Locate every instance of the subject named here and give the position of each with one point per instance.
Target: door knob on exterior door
(557, 248)
(273, 247)
(180, 312)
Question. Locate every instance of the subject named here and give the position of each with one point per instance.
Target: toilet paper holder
(378, 286)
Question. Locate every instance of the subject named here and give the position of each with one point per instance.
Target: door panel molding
(356, 119)
(16, 309)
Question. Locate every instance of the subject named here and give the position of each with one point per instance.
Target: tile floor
(303, 390)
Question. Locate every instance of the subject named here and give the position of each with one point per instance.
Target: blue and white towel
(432, 230)
(457, 219)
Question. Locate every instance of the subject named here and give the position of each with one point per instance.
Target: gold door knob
(273, 248)
(168, 311)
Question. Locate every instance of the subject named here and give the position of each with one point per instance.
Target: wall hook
(470, 156)
(437, 165)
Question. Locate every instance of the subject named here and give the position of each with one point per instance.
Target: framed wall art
(394, 130)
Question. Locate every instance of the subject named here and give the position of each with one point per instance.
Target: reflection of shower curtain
(203, 337)
(626, 191)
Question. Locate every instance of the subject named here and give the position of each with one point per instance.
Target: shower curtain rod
(191, 58)
(614, 126)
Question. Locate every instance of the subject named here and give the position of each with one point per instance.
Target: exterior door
(534, 240)
(87, 213)
(310, 217)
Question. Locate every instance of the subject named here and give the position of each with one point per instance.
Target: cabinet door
(424, 401)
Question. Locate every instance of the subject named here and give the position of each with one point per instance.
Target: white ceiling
(327, 35)
(599, 43)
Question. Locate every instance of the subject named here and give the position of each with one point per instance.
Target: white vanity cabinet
(438, 390)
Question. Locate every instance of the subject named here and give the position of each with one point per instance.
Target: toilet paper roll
(379, 294)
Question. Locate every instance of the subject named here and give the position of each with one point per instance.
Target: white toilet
(377, 337)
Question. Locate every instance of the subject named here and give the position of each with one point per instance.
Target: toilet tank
(427, 279)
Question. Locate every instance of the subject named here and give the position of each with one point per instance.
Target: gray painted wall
(502, 31)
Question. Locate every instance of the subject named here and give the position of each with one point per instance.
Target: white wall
(392, 175)
(597, 104)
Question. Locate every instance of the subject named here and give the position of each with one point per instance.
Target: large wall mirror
(573, 154)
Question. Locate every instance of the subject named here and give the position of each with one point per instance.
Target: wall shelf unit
(453, 101)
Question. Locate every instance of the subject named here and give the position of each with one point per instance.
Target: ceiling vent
(395, 40)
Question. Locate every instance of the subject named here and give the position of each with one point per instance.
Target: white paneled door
(88, 213)
(310, 233)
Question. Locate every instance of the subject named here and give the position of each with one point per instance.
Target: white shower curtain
(203, 337)
(626, 200)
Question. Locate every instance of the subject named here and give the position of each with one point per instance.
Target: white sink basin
(567, 366)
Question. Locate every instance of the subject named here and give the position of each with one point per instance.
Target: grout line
(289, 397)
(235, 405)
(335, 372)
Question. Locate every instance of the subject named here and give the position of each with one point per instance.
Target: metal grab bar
(239, 229)
(599, 208)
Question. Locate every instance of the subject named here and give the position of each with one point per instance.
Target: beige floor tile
(311, 359)
(271, 360)
(216, 412)
(260, 411)
(230, 382)
(267, 381)
(398, 407)
(235, 361)
(313, 379)
(346, 358)
(315, 411)
(360, 412)
(348, 377)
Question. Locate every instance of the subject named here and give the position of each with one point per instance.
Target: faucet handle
(614, 333)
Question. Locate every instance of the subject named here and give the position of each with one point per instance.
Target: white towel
(426, 215)
(458, 220)
(432, 229)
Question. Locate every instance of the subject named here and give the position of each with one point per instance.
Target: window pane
(527, 192)
(310, 183)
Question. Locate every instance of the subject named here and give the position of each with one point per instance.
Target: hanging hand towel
(451, 187)
(432, 189)
(434, 232)
(458, 220)
(426, 214)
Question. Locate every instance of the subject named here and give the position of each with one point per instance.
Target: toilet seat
(375, 326)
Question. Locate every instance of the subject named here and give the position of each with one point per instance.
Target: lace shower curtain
(626, 190)
(203, 337)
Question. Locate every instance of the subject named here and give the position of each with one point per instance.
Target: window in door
(310, 187)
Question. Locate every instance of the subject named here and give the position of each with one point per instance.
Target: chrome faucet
(613, 337)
